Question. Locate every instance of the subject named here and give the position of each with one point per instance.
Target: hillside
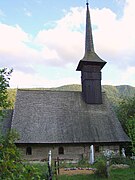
(114, 93)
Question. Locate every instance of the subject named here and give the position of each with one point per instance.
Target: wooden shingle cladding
(63, 117)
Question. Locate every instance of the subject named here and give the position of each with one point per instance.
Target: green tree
(10, 161)
(126, 115)
(131, 131)
(5, 75)
(11, 166)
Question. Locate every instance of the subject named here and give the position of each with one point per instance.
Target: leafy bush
(83, 163)
(11, 164)
(101, 167)
(123, 160)
(126, 115)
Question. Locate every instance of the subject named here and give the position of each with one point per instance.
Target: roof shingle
(63, 117)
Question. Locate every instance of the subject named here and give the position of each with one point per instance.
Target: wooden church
(68, 122)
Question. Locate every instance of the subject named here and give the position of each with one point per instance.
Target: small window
(61, 150)
(28, 151)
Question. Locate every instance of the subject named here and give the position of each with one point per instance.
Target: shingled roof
(63, 117)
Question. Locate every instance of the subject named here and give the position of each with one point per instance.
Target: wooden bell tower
(90, 67)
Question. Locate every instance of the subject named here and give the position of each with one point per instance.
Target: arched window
(28, 151)
(61, 150)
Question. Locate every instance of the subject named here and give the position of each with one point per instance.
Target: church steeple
(90, 55)
(90, 67)
(89, 46)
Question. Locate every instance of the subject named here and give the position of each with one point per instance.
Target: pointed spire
(89, 46)
(90, 57)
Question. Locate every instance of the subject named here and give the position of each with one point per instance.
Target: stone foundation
(39, 152)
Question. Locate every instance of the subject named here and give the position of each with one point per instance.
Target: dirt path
(76, 171)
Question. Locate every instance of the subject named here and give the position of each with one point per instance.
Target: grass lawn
(117, 174)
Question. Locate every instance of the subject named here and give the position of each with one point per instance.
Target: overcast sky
(43, 40)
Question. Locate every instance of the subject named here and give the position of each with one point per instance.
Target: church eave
(91, 59)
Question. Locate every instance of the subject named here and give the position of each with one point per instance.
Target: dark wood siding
(91, 85)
